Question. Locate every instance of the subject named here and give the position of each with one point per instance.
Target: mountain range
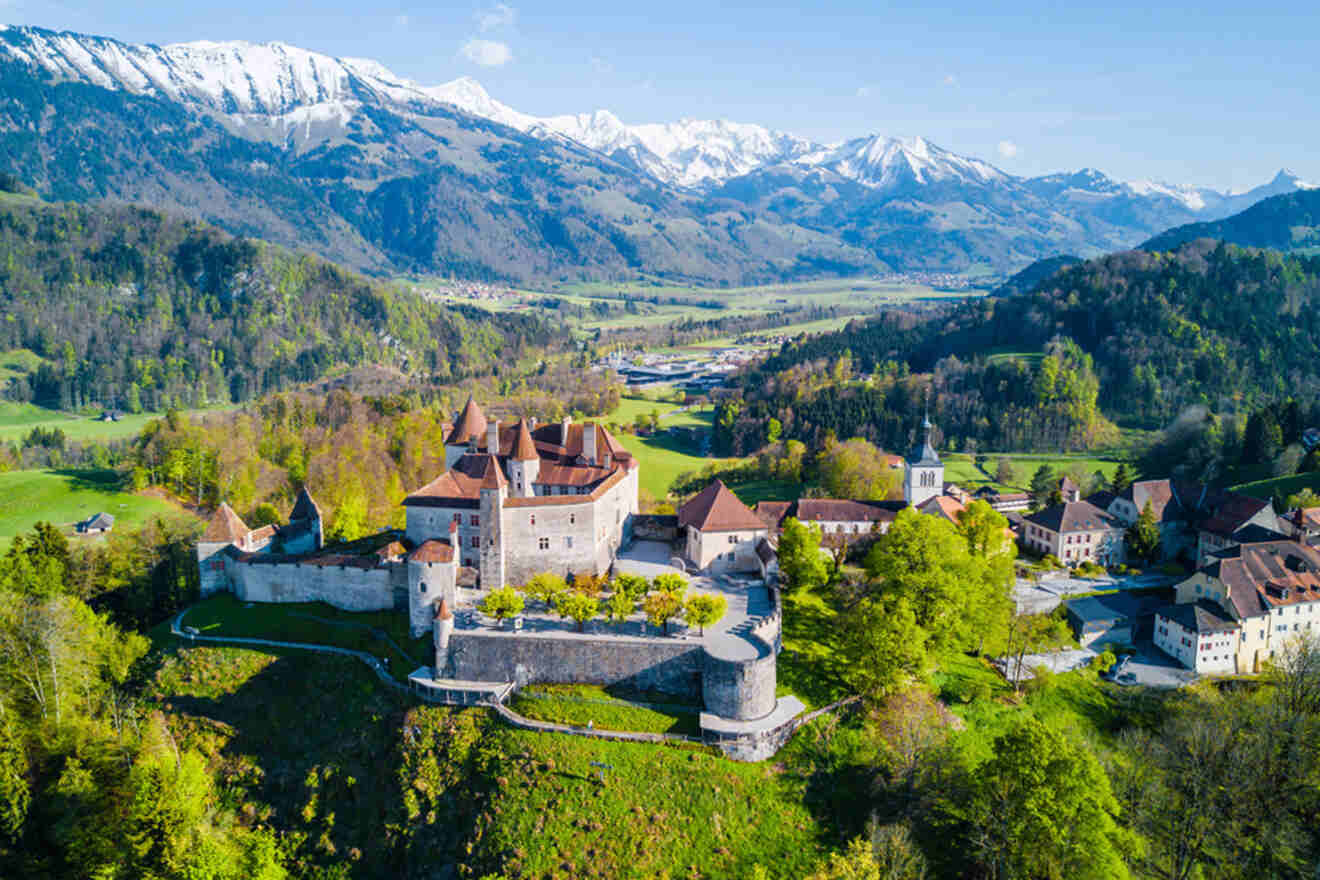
(343, 157)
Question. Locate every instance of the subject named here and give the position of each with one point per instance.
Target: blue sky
(1211, 93)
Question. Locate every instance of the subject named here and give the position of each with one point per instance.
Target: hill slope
(1283, 222)
(127, 305)
(1157, 332)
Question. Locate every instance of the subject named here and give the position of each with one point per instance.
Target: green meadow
(63, 497)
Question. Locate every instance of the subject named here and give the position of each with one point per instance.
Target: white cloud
(487, 53)
(950, 80)
(1007, 149)
(498, 16)
(863, 91)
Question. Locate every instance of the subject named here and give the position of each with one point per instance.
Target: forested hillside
(132, 308)
(1284, 222)
(1139, 335)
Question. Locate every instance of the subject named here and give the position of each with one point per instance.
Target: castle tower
(925, 472)
(444, 628)
(225, 530)
(524, 464)
(469, 425)
(307, 513)
(494, 489)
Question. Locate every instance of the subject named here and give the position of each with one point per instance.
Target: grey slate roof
(1201, 616)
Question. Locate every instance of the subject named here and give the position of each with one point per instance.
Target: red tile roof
(470, 425)
(716, 509)
(225, 526)
(433, 551)
(1073, 516)
(473, 472)
(523, 448)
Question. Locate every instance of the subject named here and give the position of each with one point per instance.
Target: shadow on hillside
(98, 479)
(304, 726)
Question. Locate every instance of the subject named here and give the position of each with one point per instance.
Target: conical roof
(470, 425)
(225, 526)
(523, 447)
(304, 508)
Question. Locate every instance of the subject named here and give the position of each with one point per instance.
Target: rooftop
(717, 509)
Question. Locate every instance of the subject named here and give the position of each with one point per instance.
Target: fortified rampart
(348, 583)
(673, 666)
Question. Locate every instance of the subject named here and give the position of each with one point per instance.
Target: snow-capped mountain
(886, 162)
(343, 156)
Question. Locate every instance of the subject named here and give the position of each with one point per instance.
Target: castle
(517, 499)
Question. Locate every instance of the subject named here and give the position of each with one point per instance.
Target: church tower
(925, 472)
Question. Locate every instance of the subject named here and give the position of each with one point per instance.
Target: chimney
(493, 436)
(531, 423)
(589, 442)
(563, 430)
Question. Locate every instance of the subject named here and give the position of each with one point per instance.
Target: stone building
(526, 499)
(720, 533)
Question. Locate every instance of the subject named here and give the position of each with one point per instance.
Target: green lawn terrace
(961, 468)
(65, 497)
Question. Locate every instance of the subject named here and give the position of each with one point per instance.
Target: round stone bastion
(738, 677)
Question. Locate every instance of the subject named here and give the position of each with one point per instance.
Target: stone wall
(428, 583)
(740, 689)
(652, 527)
(432, 523)
(709, 550)
(213, 564)
(667, 665)
(351, 588)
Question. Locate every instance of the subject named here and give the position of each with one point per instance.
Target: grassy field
(580, 704)
(17, 419)
(961, 469)
(63, 497)
(383, 633)
(630, 408)
(1285, 486)
(316, 747)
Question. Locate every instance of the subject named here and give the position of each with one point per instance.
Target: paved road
(1154, 668)
(1043, 595)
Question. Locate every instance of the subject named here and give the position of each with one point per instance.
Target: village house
(1200, 635)
(1075, 532)
(1270, 590)
(720, 533)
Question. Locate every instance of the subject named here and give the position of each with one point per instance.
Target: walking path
(495, 702)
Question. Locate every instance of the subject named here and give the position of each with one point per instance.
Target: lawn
(63, 497)
(17, 419)
(1285, 486)
(352, 774)
(383, 634)
(570, 807)
(630, 408)
(810, 666)
(961, 469)
(582, 704)
(663, 457)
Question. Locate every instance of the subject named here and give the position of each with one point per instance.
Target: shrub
(704, 609)
(670, 582)
(662, 607)
(631, 585)
(577, 607)
(546, 587)
(502, 603)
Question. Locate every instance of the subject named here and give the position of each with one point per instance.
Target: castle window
(568, 541)
(531, 520)
(458, 517)
(476, 540)
(474, 520)
(421, 587)
(572, 519)
(543, 543)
